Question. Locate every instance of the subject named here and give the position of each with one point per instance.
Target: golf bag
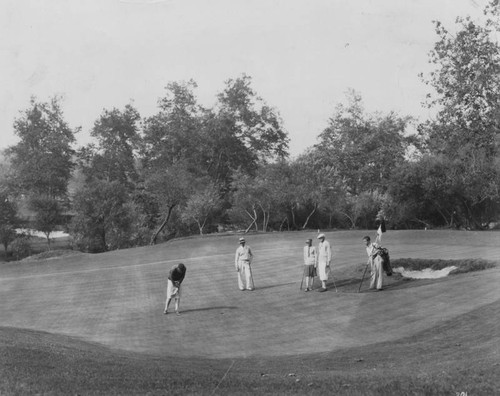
(386, 261)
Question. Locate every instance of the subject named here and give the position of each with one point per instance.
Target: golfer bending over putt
(175, 278)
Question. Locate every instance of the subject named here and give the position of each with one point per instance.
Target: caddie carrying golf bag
(386, 261)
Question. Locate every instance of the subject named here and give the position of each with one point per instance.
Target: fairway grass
(93, 324)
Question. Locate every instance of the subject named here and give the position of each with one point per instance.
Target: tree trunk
(427, 225)
(201, 226)
(294, 223)
(47, 235)
(103, 240)
(256, 225)
(162, 225)
(283, 222)
(250, 226)
(353, 224)
(449, 223)
(254, 219)
(265, 220)
(308, 217)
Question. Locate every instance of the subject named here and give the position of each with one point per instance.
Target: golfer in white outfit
(324, 259)
(242, 262)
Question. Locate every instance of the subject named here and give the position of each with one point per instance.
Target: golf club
(364, 273)
(302, 281)
(251, 276)
(333, 279)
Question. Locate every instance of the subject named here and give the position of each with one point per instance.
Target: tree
(42, 160)
(168, 188)
(465, 134)
(201, 205)
(223, 151)
(466, 82)
(244, 208)
(315, 186)
(102, 219)
(48, 214)
(363, 150)
(427, 193)
(255, 123)
(113, 158)
(8, 220)
(174, 134)
(261, 198)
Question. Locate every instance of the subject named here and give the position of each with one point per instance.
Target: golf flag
(381, 227)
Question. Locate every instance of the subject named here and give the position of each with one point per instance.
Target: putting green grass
(116, 299)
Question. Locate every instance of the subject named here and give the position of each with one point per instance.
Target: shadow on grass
(348, 285)
(277, 285)
(208, 309)
(395, 282)
(400, 283)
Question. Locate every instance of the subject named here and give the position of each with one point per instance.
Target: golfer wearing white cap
(242, 262)
(324, 259)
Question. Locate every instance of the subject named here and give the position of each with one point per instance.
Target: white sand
(426, 273)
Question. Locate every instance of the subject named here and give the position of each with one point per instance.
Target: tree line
(193, 169)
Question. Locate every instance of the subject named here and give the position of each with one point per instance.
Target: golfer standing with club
(324, 260)
(310, 259)
(175, 278)
(242, 262)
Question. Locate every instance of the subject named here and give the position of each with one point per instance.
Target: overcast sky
(301, 54)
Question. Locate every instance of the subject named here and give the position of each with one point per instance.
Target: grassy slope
(443, 360)
(403, 340)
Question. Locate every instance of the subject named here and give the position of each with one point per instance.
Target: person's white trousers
(172, 291)
(244, 275)
(323, 271)
(377, 271)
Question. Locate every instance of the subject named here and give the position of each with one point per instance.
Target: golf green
(117, 298)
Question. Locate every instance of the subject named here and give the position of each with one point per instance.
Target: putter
(364, 273)
(302, 281)
(251, 276)
(333, 279)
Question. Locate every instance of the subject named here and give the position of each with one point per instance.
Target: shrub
(21, 247)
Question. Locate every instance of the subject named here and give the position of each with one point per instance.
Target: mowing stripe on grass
(185, 259)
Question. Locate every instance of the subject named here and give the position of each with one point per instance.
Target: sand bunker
(426, 273)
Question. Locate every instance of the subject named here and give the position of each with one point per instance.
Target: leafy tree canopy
(362, 150)
(42, 160)
(113, 158)
(466, 81)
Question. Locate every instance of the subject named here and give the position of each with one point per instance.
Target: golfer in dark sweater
(175, 278)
